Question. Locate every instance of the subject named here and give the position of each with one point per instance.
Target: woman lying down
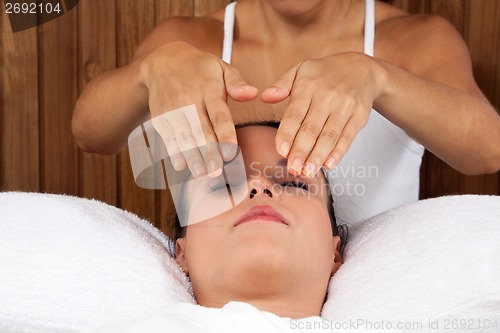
(263, 265)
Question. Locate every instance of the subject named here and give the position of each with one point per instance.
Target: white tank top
(381, 170)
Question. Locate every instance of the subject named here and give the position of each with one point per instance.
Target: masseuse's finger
(205, 138)
(353, 126)
(306, 147)
(187, 143)
(290, 124)
(328, 138)
(222, 124)
(166, 132)
(236, 87)
(281, 88)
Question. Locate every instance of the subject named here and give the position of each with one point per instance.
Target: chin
(259, 272)
(291, 8)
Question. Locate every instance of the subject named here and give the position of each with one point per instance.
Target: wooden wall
(43, 70)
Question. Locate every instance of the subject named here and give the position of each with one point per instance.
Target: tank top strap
(370, 27)
(227, 46)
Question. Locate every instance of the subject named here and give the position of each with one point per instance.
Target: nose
(259, 187)
(253, 192)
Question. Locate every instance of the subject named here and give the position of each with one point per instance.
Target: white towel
(434, 262)
(69, 265)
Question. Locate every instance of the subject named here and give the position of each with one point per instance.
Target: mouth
(261, 213)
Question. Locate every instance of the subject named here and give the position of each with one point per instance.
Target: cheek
(311, 213)
(314, 225)
(203, 245)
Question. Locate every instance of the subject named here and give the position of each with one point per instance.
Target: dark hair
(337, 230)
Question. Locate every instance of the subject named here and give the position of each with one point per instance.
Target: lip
(266, 213)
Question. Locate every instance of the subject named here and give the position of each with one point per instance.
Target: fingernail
(272, 90)
(228, 151)
(176, 163)
(243, 87)
(198, 169)
(214, 169)
(297, 165)
(331, 162)
(310, 169)
(284, 149)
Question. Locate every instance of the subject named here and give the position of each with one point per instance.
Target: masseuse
(319, 66)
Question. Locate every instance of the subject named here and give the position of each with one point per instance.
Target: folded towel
(69, 265)
(435, 262)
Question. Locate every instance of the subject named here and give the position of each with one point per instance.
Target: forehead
(257, 142)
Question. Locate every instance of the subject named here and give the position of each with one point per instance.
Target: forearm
(109, 108)
(461, 128)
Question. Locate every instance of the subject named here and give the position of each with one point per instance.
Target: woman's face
(278, 236)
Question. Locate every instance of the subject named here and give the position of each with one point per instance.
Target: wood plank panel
(97, 54)
(135, 20)
(412, 6)
(58, 89)
(166, 9)
(19, 135)
(202, 7)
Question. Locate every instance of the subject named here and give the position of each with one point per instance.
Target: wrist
(382, 78)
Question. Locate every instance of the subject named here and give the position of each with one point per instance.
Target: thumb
(281, 88)
(236, 87)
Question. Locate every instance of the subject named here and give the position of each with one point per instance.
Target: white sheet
(233, 317)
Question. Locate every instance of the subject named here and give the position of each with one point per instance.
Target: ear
(180, 254)
(337, 260)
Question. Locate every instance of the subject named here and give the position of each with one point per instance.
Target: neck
(285, 306)
(289, 21)
(300, 297)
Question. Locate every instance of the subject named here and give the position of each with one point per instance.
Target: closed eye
(217, 187)
(296, 184)
(224, 186)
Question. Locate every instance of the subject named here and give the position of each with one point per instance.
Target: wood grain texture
(135, 20)
(97, 54)
(202, 7)
(19, 131)
(58, 88)
(412, 6)
(169, 8)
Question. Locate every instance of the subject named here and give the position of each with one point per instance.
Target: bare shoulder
(205, 33)
(402, 38)
(425, 45)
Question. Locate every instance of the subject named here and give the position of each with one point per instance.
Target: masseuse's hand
(330, 102)
(178, 74)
